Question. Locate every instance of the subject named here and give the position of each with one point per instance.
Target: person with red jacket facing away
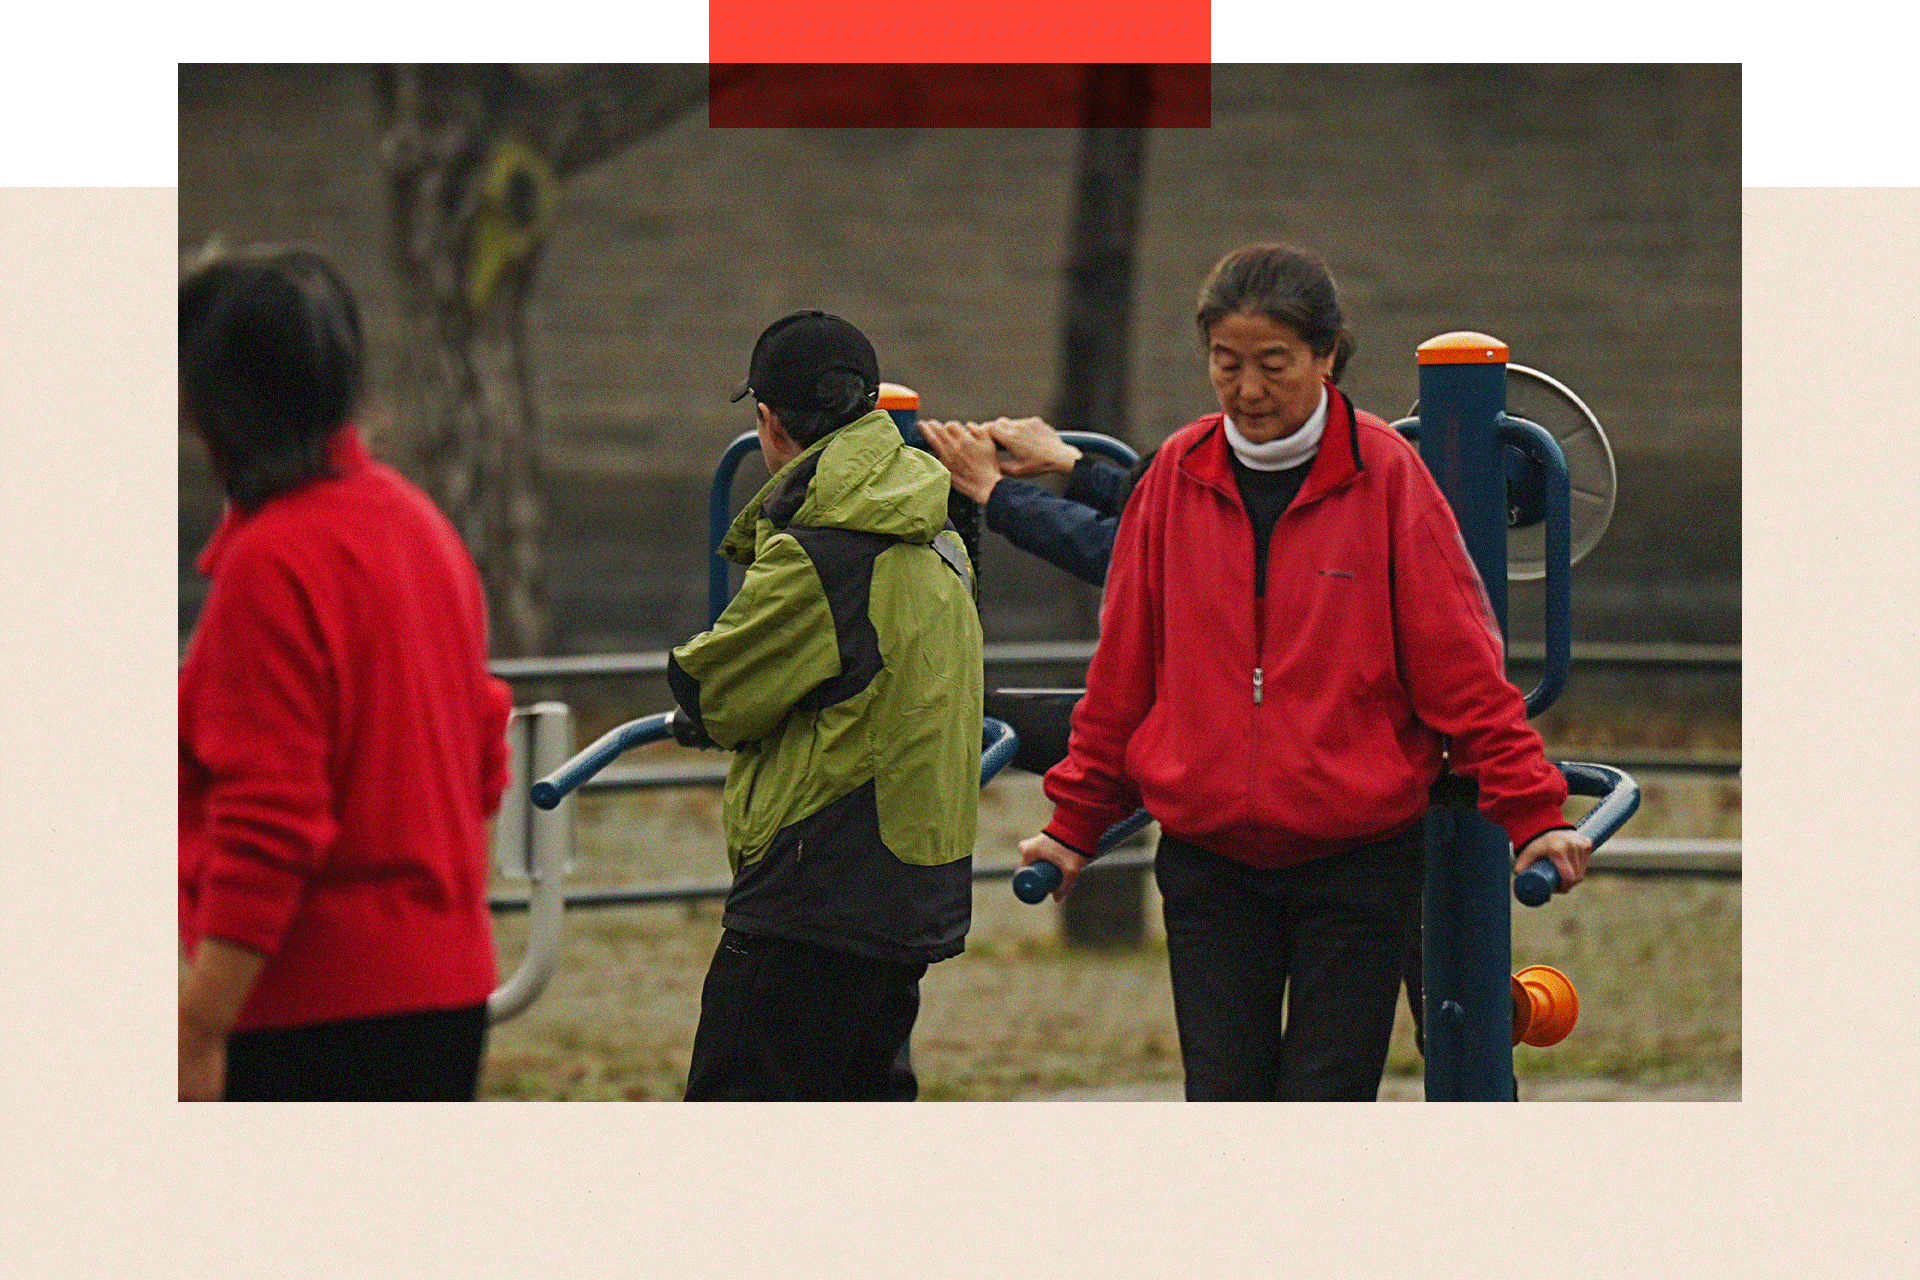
(1293, 643)
(341, 740)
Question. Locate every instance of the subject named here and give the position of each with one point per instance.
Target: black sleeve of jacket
(1099, 484)
(689, 729)
(1064, 533)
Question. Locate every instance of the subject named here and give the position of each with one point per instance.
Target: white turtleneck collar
(1287, 451)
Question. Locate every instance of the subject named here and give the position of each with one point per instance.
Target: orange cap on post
(1462, 346)
(895, 396)
(1545, 1005)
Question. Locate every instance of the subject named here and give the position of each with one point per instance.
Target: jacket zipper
(1259, 680)
(1259, 629)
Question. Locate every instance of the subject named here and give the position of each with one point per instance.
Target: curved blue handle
(1619, 799)
(1036, 880)
(1538, 443)
(999, 744)
(1094, 442)
(998, 738)
(1536, 884)
(720, 518)
(556, 786)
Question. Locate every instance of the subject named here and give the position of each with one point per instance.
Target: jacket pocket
(1185, 768)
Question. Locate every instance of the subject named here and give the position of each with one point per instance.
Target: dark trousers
(787, 1021)
(408, 1057)
(1285, 980)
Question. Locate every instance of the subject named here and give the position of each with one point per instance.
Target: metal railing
(661, 777)
(1076, 653)
(536, 846)
(1027, 653)
(1711, 858)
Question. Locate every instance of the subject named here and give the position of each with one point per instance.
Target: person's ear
(771, 421)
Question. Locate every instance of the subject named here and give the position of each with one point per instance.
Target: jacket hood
(859, 477)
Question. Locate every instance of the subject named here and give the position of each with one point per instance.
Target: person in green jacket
(846, 679)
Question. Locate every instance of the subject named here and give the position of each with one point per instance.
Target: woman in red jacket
(1293, 641)
(341, 741)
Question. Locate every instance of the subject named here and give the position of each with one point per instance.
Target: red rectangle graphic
(967, 31)
(960, 96)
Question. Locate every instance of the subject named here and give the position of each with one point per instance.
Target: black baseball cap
(796, 350)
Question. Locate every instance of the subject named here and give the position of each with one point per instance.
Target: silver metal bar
(1068, 652)
(657, 777)
(546, 733)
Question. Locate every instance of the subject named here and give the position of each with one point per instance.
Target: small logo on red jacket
(1337, 573)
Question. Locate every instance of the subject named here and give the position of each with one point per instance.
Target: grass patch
(1656, 962)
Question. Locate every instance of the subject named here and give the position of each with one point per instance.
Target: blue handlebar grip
(558, 785)
(1619, 797)
(1536, 884)
(1035, 881)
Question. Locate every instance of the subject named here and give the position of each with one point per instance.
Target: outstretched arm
(1066, 534)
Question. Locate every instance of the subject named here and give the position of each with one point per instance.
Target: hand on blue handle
(1619, 797)
(1035, 881)
(1537, 883)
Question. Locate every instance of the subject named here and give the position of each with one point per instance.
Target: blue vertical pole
(903, 406)
(1469, 946)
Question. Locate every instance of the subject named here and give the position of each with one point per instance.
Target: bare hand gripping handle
(1619, 797)
(1036, 880)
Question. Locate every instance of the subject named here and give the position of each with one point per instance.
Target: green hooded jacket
(846, 678)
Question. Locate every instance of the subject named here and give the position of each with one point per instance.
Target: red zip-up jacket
(341, 745)
(1312, 720)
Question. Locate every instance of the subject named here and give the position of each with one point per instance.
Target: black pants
(786, 1021)
(408, 1057)
(1285, 981)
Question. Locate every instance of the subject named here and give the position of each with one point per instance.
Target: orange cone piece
(1545, 1006)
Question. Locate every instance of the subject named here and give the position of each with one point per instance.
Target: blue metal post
(1469, 946)
(903, 406)
(720, 518)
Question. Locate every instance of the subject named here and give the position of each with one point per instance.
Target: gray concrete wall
(1587, 215)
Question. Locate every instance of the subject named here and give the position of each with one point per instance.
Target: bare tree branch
(591, 113)
(473, 158)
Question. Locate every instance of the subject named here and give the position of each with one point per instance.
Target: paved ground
(1409, 1089)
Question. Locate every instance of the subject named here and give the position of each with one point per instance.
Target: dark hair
(849, 396)
(1289, 286)
(271, 365)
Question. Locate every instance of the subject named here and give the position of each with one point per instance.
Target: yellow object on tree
(518, 203)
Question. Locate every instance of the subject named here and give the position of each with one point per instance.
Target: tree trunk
(473, 158)
(1108, 907)
(1091, 389)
